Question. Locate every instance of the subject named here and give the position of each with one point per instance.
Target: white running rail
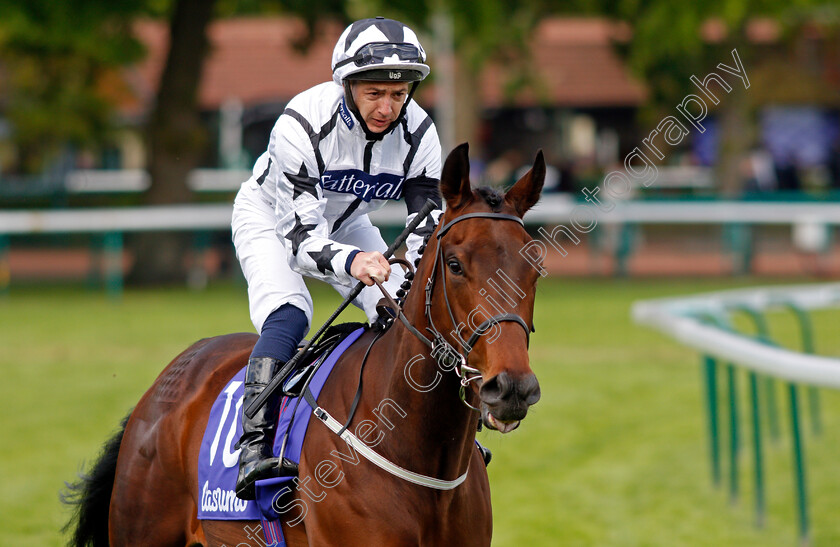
(681, 318)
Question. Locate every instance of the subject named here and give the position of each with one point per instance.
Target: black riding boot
(256, 460)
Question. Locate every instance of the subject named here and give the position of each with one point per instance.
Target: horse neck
(437, 427)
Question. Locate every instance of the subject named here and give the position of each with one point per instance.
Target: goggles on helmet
(377, 52)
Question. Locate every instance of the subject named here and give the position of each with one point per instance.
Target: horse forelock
(491, 197)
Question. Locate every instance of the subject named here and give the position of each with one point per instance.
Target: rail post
(710, 380)
(806, 330)
(763, 335)
(734, 430)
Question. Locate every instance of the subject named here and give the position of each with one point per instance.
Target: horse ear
(526, 192)
(455, 178)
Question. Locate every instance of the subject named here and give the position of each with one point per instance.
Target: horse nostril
(496, 388)
(530, 389)
(502, 388)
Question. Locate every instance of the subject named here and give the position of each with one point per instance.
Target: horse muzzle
(505, 400)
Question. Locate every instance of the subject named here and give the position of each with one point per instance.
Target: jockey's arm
(301, 224)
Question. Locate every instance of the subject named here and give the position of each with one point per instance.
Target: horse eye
(455, 267)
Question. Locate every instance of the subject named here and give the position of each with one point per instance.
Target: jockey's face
(379, 103)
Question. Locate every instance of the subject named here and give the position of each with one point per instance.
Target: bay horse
(143, 490)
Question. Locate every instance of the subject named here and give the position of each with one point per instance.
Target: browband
(500, 216)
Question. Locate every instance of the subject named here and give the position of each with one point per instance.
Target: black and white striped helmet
(379, 49)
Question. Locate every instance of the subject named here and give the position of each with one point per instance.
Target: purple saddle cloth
(218, 461)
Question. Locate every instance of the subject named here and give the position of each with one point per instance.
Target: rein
(440, 348)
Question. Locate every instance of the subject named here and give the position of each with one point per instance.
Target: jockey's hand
(369, 266)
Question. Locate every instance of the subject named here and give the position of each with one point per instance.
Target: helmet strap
(351, 104)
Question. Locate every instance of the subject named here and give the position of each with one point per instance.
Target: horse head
(481, 290)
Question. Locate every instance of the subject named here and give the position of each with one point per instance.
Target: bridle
(442, 350)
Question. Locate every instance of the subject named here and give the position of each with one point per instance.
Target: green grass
(615, 453)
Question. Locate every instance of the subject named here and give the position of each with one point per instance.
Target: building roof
(576, 67)
(254, 60)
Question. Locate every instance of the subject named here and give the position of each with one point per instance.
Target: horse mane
(492, 197)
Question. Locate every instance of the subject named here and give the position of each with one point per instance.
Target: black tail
(91, 497)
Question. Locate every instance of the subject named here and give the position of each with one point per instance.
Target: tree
(671, 41)
(175, 140)
(175, 137)
(59, 64)
(479, 33)
(62, 61)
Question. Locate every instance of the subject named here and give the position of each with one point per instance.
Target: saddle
(218, 458)
(317, 353)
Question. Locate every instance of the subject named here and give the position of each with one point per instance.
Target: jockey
(339, 151)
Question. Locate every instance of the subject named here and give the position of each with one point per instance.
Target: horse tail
(91, 496)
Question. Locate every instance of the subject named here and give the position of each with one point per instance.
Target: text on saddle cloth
(218, 461)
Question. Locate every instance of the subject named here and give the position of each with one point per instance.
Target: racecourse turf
(615, 453)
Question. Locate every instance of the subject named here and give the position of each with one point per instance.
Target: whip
(290, 365)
